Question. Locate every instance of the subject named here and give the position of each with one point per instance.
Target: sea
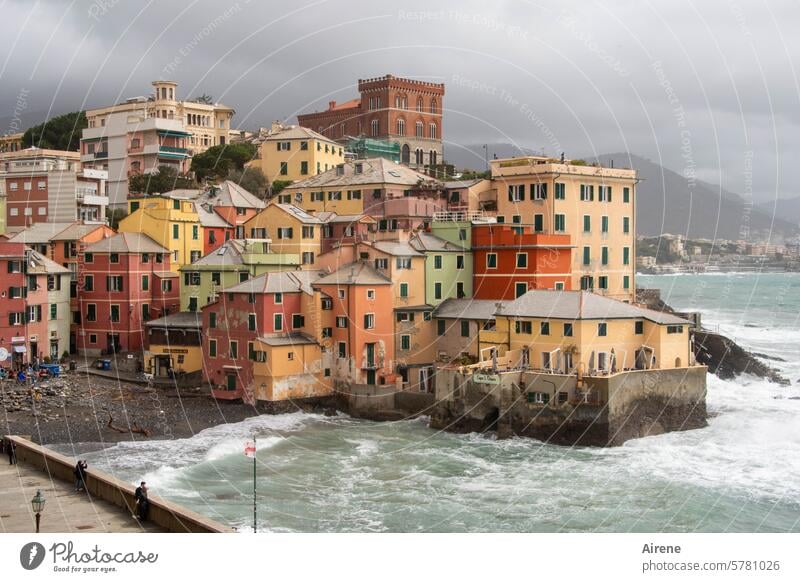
(338, 474)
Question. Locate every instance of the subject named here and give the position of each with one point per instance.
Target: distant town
(342, 257)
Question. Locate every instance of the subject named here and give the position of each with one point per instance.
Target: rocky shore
(81, 407)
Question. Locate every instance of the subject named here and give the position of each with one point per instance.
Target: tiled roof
(480, 309)
(425, 241)
(40, 232)
(39, 264)
(395, 248)
(209, 218)
(298, 213)
(291, 132)
(180, 320)
(329, 217)
(358, 273)
(292, 339)
(278, 282)
(580, 305)
(373, 171)
(126, 242)
(231, 194)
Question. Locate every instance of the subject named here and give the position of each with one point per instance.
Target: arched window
(432, 158)
(419, 130)
(419, 104)
(405, 156)
(401, 127)
(418, 156)
(434, 106)
(375, 127)
(432, 130)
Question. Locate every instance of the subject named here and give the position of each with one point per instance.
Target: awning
(20, 349)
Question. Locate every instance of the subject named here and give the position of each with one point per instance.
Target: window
(460, 293)
(308, 258)
(317, 196)
(432, 133)
(437, 290)
(522, 260)
(175, 231)
(341, 322)
(587, 283)
(114, 258)
(674, 329)
(604, 224)
(437, 261)
(567, 330)
(604, 255)
(544, 327)
(308, 232)
(354, 194)
(626, 282)
(285, 232)
(559, 286)
(405, 342)
(192, 278)
(520, 289)
(626, 255)
(465, 328)
(381, 264)
(216, 277)
(233, 349)
(17, 318)
(277, 322)
(340, 293)
(401, 127)
(560, 191)
(587, 193)
(491, 260)
(538, 191)
(626, 195)
(195, 256)
(88, 283)
(342, 350)
(459, 262)
(114, 283)
(440, 326)
(114, 314)
(327, 332)
(516, 193)
(587, 223)
(284, 146)
(626, 224)
(298, 321)
(278, 298)
(403, 263)
(538, 223)
(251, 322)
(602, 282)
(145, 282)
(304, 168)
(523, 327)
(602, 329)
(560, 223)
(403, 289)
(587, 255)
(145, 312)
(212, 348)
(638, 327)
(284, 168)
(212, 320)
(53, 311)
(371, 294)
(369, 321)
(604, 193)
(326, 303)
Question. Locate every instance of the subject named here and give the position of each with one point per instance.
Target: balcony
(172, 152)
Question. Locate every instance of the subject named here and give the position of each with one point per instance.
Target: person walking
(11, 449)
(80, 475)
(142, 504)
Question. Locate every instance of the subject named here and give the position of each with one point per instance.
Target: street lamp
(37, 503)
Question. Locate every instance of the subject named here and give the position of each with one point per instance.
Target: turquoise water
(315, 473)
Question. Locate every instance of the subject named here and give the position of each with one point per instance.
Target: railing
(458, 215)
(173, 150)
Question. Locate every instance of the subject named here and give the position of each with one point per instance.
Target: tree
(218, 161)
(251, 179)
(279, 185)
(164, 179)
(207, 99)
(59, 133)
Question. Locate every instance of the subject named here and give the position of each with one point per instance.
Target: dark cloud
(698, 86)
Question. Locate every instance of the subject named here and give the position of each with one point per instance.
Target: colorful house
(345, 229)
(232, 203)
(234, 262)
(123, 281)
(509, 260)
(172, 221)
(460, 325)
(174, 346)
(273, 304)
(448, 267)
(216, 229)
(291, 152)
(358, 324)
(291, 229)
(595, 205)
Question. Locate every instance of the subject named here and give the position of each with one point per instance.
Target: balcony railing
(458, 215)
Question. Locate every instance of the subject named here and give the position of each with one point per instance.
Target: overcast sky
(707, 88)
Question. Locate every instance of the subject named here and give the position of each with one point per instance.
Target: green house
(448, 261)
(234, 262)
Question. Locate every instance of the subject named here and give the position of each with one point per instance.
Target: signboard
(250, 449)
(486, 379)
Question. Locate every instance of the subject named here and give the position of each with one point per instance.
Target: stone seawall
(602, 411)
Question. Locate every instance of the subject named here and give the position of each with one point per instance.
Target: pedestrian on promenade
(11, 449)
(80, 475)
(142, 504)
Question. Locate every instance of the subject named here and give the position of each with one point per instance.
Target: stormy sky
(707, 88)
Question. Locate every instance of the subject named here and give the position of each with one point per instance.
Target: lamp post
(37, 503)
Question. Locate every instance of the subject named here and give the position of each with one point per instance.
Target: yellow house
(291, 229)
(291, 152)
(174, 345)
(595, 205)
(290, 367)
(171, 220)
(568, 331)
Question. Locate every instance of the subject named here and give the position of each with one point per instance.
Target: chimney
(331, 104)
(276, 127)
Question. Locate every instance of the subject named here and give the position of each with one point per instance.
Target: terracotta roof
(126, 242)
(580, 305)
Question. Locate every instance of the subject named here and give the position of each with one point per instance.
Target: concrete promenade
(65, 511)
